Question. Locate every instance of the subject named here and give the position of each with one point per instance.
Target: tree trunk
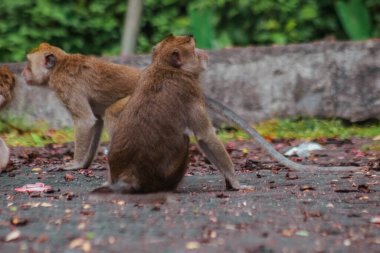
(131, 27)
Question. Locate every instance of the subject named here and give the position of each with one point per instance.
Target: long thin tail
(232, 116)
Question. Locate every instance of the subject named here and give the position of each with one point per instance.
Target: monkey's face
(180, 52)
(7, 83)
(38, 68)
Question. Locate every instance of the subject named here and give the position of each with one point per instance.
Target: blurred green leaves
(355, 19)
(94, 27)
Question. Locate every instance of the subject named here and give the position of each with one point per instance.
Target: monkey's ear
(50, 61)
(176, 58)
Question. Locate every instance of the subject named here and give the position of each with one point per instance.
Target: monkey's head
(40, 62)
(7, 83)
(180, 52)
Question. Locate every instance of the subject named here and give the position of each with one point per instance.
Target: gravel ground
(286, 211)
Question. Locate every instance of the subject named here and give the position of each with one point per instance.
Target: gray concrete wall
(319, 79)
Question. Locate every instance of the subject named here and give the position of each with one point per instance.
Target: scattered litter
(37, 187)
(304, 149)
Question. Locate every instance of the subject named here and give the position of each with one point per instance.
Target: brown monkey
(7, 83)
(87, 86)
(149, 146)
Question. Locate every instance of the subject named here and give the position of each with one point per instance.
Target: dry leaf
(13, 235)
(81, 244)
(376, 220)
(193, 245)
(17, 221)
(288, 232)
(46, 204)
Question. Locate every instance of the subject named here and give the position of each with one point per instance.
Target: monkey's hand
(236, 186)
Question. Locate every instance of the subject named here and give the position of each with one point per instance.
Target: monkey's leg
(85, 139)
(96, 133)
(212, 146)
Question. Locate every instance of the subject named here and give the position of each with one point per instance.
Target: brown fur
(7, 83)
(87, 86)
(149, 147)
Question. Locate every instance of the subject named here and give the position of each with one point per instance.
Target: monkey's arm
(88, 130)
(211, 146)
(232, 116)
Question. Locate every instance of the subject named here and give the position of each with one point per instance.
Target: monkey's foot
(232, 185)
(247, 188)
(120, 187)
(73, 166)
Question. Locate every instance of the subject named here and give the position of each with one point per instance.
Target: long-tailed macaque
(7, 83)
(150, 141)
(88, 86)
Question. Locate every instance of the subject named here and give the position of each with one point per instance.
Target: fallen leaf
(81, 244)
(288, 232)
(17, 221)
(363, 188)
(303, 233)
(69, 177)
(37, 187)
(46, 204)
(193, 245)
(307, 188)
(12, 235)
(376, 220)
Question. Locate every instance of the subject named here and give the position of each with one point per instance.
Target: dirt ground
(286, 211)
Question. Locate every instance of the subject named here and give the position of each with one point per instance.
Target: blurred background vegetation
(96, 26)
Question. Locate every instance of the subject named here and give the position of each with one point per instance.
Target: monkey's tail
(232, 116)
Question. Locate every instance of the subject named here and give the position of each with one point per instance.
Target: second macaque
(7, 84)
(87, 86)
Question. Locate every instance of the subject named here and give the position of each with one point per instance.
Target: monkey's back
(150, 142)
(101, 82)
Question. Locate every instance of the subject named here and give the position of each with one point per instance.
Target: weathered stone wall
(320, 79)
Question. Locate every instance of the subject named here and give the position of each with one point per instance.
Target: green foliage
(355, 18)
(89, 27)
(19, 132)
(312, 128)
(95, 27)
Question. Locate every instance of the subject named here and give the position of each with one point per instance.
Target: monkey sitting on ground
(150, 143)
(7, 83)
(87, 86)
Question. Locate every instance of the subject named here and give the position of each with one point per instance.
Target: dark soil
(286, 211)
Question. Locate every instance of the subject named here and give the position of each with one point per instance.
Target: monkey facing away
(7, 83)
(87, 86)
(149, 146)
